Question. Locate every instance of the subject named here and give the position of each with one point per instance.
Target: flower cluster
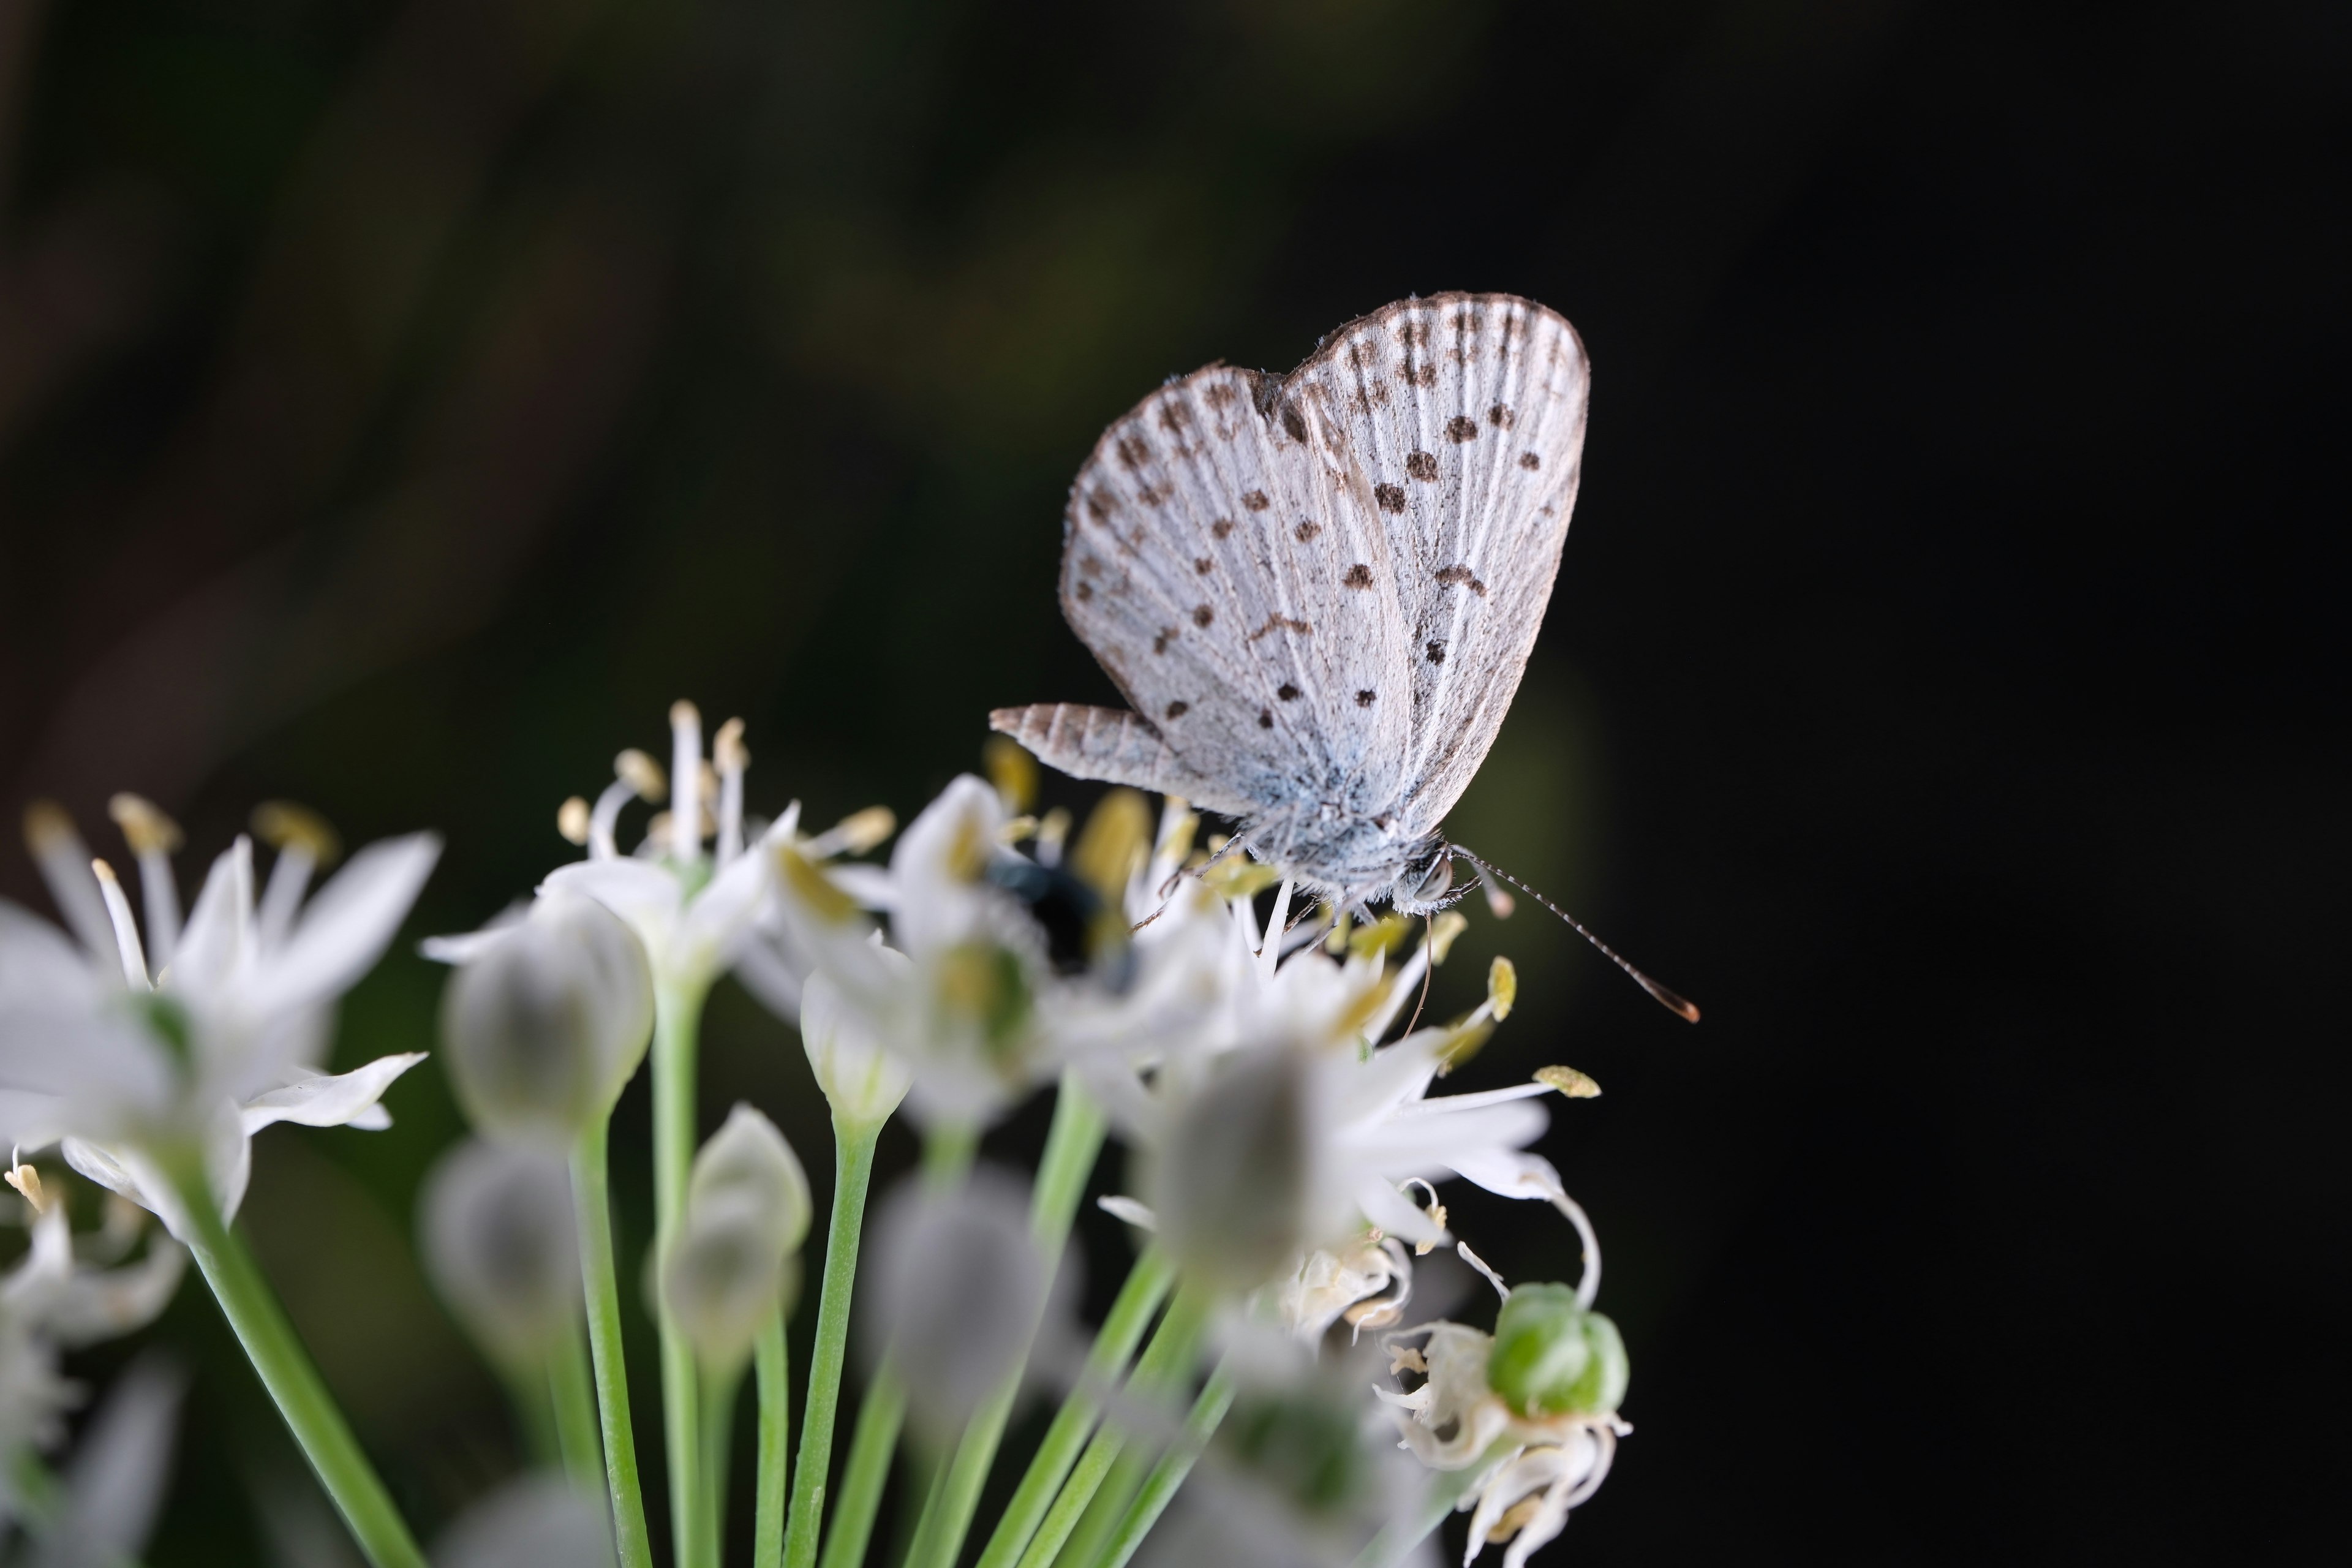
(1266, 1063)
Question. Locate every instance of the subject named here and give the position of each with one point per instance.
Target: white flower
(143, 1072)
(1283, 1131)
(1530, 1409)
(114, 1485)
(52, 1301)
(502, 1248)
(862, 1081)
(539, 1521)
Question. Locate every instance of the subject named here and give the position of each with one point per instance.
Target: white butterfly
(1319, 590)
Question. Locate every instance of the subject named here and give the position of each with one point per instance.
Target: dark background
(400, 403)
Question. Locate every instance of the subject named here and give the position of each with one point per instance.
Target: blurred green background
(401, 404)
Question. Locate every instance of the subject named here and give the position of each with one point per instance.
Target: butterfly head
(1426, 883)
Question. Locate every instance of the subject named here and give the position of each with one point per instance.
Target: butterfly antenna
(1666, 998)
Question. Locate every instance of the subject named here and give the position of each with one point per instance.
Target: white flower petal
(465, 946)
(645, 895)
(40, 966)
(346, 926)
(217, 939)
(115, 1485)
(328, 1101)
(1512, 1173)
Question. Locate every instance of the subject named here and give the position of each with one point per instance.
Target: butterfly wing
(1464, 417)
(1231, 573)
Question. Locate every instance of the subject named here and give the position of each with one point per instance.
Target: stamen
(1013, 770)
(575, 819)
(1269, 952)
(686, 768)
(854, 833)
(303, 842)
(153, 837)
(1569, 1081)
(126, 929)
(1053, 832)
(1588, 1285)
(635, 776)
(1433, 1209)
(1475, 1261)
(26, 1179)
(1441, 932)
(64, 861)
(642, 774)
(727, 749)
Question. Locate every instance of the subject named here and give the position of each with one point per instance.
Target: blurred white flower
(149, 1075)
(546, 1019)
(730, 1265)
(52, 1301)
(539, 1521)
(959, 1289)
(862, 1081)
(114, 1485)
(502, 1248)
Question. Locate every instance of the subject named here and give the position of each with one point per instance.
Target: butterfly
(1317, 591)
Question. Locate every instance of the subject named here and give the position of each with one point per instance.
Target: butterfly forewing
(1467, 413)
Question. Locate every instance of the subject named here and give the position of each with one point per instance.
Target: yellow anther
(727, 748)
(1013, 770)
(1053, 829)
(27, 1181)
(684, 713)
(1239, 878)
(144, 826)
(571, 819)
(657, 829)
(1382, 937)
(1116, 840)
(1016, 829)
(283, 825)
(1441, 932)
(813, 887)
(46, 826)
(1502, 987)
(862, 830)
(1569, 1081)
(1336, 943)
(641, 773)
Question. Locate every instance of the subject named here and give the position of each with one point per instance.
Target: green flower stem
(1168, 1474)
(852, 1171)
(286, 1371)
(1165, 1363)
(1393, 1544)
(534, 1413)
(879, 1418)
(572, 1392)
(1071, 1148)
(948, 1151)
(718, 1409)
(774, 1373)
(593, 1202)
(1130, 1314)
(678, 1014)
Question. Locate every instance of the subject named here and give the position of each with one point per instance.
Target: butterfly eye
(1435, 880)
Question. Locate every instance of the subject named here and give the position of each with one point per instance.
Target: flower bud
(862, 1081)
(730, 1265)
(960, 1286)
(1230, 1183)
(1552, 1357)
(539, 1521)
(501, 1247)
(544, 1025)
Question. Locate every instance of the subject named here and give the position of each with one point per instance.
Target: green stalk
(852, 1171)
(1071, 1148)
(1130, 1314)
(948, 1151)
(717, 1407)
(1394, 1544)
(572, 1392)
(528, 1392)
(593, 1202)
(677, 1011)
(1168, 1474)
(774, 1373)
(1165, 1363)
(293, 1381)
(878, 1420)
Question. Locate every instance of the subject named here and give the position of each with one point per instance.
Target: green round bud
(1551, 1357)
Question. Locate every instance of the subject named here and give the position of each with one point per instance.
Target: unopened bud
(1552, 1357)
(546, 1024)
(501, 1247)
(960, 1286)
(862, 1081)
(731, 1265)
(1230, 1181)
